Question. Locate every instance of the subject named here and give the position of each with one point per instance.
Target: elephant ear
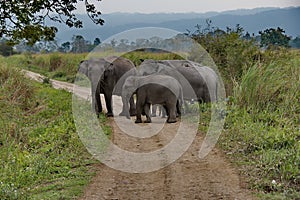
(83, 67)
(109, 70)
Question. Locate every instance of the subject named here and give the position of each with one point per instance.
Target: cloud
(155, 6)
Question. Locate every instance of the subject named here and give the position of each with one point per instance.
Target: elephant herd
(168, 83)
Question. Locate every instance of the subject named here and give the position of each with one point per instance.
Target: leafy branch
(25, 19)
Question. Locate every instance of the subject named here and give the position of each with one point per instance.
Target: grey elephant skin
(106, 76)
(198, 82)
(154, 89)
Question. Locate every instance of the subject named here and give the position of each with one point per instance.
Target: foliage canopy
(25, 19)
(274, 37)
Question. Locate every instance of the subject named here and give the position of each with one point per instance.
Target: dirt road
(187, 178)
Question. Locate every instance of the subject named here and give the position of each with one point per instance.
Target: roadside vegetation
(262, 128)
(43, 155)
(59, 66)
(262, 131)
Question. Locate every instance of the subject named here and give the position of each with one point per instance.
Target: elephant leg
(178, 109)
(172, 113)
(166, 110)
(108, 101)
(125, 108)
(139, 108)
(153, 113)
(162, 112)
(132, 110)
(147, 112)
(143, 111)
(96, 100)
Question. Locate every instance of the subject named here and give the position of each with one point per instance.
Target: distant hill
(253, 21)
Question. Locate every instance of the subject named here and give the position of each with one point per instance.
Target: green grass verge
(64, 66)
(262, 132)
(59, 66)
(41, 154)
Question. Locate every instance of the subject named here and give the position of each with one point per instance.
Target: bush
(15, 88)
(232, 53)
(273, 86)
(55, 62)
(262, 128)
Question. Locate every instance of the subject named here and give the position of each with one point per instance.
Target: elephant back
(198, 82)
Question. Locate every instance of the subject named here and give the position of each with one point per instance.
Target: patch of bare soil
(187, 178)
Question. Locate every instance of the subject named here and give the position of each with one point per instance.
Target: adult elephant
(198, 82)
(153, 89)
(106, 76)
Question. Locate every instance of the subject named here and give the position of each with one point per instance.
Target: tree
(65, 47)
(97, 41)
(274, 37)
(5, 50)
(230, 51)
(295, 43)
(25, 19)
(79, 44)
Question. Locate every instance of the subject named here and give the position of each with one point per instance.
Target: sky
(182, 6)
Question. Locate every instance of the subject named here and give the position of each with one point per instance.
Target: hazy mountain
(253, 20)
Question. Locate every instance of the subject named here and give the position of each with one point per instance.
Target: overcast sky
(171, 6)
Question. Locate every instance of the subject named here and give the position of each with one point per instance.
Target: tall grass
(138, 56)
(262, 128)
(15, 89)
(55, 65)
(274, 86)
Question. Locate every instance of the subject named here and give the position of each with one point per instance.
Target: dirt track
(187, 178)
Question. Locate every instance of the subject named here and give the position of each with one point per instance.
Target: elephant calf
(154, 89)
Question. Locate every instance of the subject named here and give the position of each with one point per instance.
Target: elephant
(154, 89)
(107, 75)
(198, 82)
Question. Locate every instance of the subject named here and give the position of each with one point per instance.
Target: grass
(262, 129)
(42, 156)
(138, 56)
(262, 132)
(57, 66)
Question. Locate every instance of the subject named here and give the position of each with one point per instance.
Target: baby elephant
(154, 89)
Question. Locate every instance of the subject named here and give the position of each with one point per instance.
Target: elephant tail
(180, 98)
(216, 92)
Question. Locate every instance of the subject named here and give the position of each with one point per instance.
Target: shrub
(55, 62)
(232, 53)
(262, 128)
(15, 88)
(272, 86)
